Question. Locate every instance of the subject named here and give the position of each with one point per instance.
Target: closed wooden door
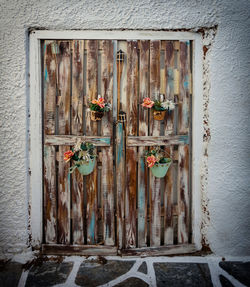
(121, 205)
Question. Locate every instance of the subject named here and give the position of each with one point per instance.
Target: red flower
(147, 103)
(68, 155)
(101, 100)
(151, 160)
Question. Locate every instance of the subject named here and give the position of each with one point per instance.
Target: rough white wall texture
(225, 175)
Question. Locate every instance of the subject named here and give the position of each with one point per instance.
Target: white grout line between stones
(23, 278)
(70, 282)
(216, 271)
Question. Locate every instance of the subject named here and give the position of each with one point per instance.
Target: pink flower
(147, 103)
(101, 105)
(151, 160)
(99, 102)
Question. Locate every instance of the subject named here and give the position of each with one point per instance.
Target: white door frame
(35, 127)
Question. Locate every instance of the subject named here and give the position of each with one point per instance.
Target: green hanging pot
(87, 167)
(160, 169)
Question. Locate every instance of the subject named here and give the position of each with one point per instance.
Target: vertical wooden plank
(92, 129)
(183, 151)
(155, 183)
(169, 79)
(107, 61)
(120, 151)
(121, 179)
(77, 87)
(49, 91)
(50, 198)
(63, 102)
(176, 69)
(169, 130)
(143, 131)
(168, 202)
(183, 194)
(131, 153)
(154, 186)
(183, 109)
(77, 129)
(123, 81)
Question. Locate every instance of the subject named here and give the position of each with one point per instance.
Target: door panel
(121, 203)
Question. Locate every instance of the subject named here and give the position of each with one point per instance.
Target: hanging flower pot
(98, 108)
(96, 116)
(87, 167)
(83, 157)
(157, 162)
(160, 169)
(159, 115)
(159, 107)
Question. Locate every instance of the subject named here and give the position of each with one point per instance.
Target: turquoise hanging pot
(160, 169)
(87, 167)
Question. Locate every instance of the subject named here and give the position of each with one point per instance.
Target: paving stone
(93, 273)
(132, 282)
(143, 268)
(225, 282)
(48, 274)
(182, 274)
(10, 274)
(239, 270)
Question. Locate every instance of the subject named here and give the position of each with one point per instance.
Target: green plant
(81, 153)
(158, 105)
(155, 155)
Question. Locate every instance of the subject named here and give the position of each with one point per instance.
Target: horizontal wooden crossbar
(86, 250)
(101, 250)
(71, 140)
(157, 140)
(106, 141)
(159, 251)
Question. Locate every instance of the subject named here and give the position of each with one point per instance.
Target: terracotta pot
(96, 116)
(159, 115)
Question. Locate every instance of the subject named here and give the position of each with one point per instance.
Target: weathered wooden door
(120, 206)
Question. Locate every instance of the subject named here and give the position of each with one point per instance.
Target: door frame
(35, 116)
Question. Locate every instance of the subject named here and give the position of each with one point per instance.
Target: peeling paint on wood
(161, 66)
(155, 183)
(120, 178)
(183, 105)
(91, 129)
(107, 185)
(143, 131)
(71, 140)
(131, 153)
(77, 129)
(63, 102)
(50, 196)
(157, 140)
(183, 194)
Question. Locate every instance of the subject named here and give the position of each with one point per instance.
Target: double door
(121, 206)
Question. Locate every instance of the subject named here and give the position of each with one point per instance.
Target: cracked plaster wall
(225, 168)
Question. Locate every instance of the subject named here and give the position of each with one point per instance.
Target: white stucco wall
(225, 177)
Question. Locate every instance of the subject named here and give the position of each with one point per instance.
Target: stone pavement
(135, 272)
